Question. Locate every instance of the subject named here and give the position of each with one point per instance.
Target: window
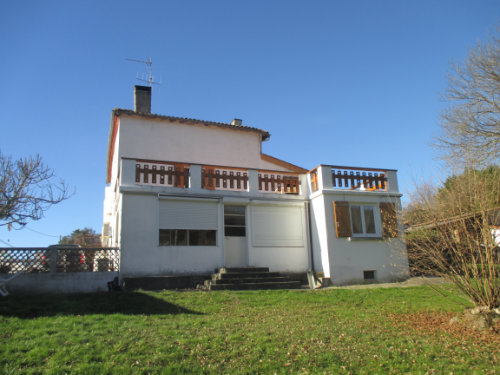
(369, 275)
(234, 221)
(365, 220)
(187, 237)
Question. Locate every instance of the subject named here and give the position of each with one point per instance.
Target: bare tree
(453, 234)
(471, 123)
(27, 189)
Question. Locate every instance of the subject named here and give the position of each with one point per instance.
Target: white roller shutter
(184, 214)
(277, 226)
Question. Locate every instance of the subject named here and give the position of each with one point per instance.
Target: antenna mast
(149, 64)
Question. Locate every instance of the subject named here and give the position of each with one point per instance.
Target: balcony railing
(154, 173)
(314, 179)
(214, 178)
(221, 178)
(358, 179)
(279, 183)
(353, 178)
(224, 179)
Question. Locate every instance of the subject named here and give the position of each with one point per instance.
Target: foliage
(451, 233)
(27, 189)
(489, 177)
(471, 123)
(85, 237)
(336, 331)
(451, 227)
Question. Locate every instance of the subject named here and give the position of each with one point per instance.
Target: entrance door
(235, 240)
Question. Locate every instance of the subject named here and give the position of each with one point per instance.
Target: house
(186, 196)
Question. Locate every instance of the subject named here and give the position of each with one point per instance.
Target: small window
(173, 237)
(357, 222)
(234, 221)
(202, 238)
(363, 220)
(369, 219)
(187, 237)
(369, 275)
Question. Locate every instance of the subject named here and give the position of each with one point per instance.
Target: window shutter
(389, 219)
(342, 219)
(201, 215)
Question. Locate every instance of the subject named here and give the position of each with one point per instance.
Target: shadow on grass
(128, 303)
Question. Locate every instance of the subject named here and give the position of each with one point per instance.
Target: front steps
(249, 278)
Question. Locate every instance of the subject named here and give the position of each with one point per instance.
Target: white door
(235, 240)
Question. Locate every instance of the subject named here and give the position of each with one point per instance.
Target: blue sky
(335, 82)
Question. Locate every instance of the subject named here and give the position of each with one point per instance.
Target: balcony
(182, 178)
(353, 179)
(206, 178)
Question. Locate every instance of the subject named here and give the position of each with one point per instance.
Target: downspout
(311, 278)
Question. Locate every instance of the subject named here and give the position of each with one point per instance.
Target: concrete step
(239, 275)
(256, 286)
(241, 269)
(246, 278)
(250, 280)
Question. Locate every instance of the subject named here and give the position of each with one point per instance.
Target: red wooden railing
(176, 175)
(224, 179)
(314, 180)
(278, 183)
(358, 179)
(214, 178)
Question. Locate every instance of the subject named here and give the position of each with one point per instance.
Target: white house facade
(185, 197)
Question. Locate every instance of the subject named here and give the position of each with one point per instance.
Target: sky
(352, 83)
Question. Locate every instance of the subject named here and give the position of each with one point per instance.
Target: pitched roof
(282, 163)
(117, 112)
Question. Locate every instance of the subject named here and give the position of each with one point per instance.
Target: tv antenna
(149, 78)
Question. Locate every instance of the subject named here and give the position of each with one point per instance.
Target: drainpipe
(311, 272)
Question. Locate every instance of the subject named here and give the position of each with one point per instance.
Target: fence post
(52, 259)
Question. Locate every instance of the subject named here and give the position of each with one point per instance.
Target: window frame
(385, 220)
(376, 220)
(235, 229)
(187, 235)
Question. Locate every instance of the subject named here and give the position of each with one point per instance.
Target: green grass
(371, 331)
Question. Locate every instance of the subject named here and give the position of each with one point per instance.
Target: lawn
(335, 331)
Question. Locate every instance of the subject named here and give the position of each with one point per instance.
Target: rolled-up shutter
(188, 214)
(389, 219)
(342, 219)
(277, 226)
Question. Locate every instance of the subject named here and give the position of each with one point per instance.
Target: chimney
(236, 122)
(142, 99)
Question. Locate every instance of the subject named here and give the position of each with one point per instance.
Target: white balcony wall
(127, 182)
(325, 180)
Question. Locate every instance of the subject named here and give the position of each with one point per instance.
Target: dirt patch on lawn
(436, 323)
(413, 281)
